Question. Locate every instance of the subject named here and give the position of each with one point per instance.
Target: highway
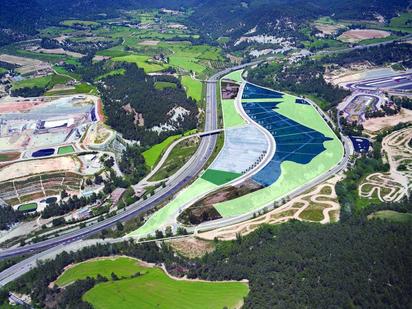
(184, 176)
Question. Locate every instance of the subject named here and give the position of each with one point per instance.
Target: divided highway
(185, 175)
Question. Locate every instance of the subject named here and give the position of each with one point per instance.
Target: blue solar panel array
(294, 141)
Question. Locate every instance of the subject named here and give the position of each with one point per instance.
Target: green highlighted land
(28, 207)
(155, 289)
(123, 266)
(235, 75)
(193, 87)
(231, 117)
(219, 177)
(65, 150)
(165, 214)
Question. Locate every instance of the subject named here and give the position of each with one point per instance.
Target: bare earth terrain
(357, 35)
(392, 186)
(377, 124)
(25, 168)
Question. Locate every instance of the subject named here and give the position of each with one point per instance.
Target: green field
(28, 207)
(326, 20)
(164, 85)
(324, 43)
(402, 21)
(152, 155)
(235, 75)
(41, 82)
(111, 73)
(219, 177)
(81, 88)
(188, 64)
(142, 62)
(154, 289)
(193, 87)
(65, 150)
(71, 22)
(122, 266)
(391, 215)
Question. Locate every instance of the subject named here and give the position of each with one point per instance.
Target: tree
(168, 231)
(158, 234)
(114, 276)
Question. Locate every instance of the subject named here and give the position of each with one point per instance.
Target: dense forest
(133, 93)
(8, 216)
(356, 263)
(302, 265)
(302, 79)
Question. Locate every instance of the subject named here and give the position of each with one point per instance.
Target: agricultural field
(46, 82)
(358, 35)
(404, 21)
(142, 62)
(72, 22)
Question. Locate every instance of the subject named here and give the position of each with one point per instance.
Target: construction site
(44, 148)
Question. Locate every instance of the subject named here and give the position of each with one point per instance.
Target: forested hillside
(282, 17)
(134, 106)
(356, 263)
(304, 265)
